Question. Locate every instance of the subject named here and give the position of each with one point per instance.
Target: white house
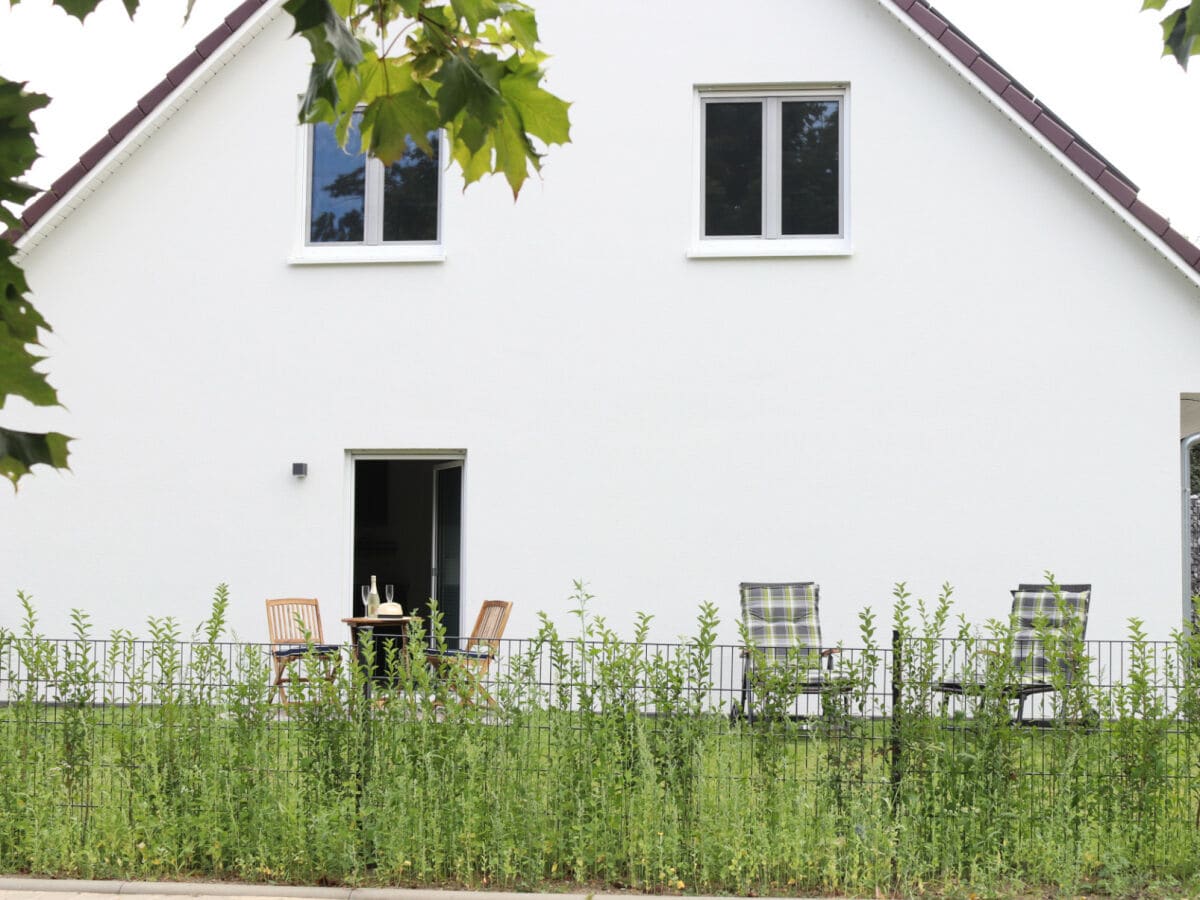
(954, 347)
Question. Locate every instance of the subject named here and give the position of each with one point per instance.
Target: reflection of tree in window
(326, 226)
(733, 169)
(810, 168)
(338, 181)
(410, 195)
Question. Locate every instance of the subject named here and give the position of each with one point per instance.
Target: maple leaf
(470, 83)
(17, 149)
(20, 450)
(471, 67)
(542, 114)
(20, 322)
(391, 121)
(474, 11)
(514, 151)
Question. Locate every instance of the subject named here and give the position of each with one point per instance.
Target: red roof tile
(184, 68)
(966, 52)
(238, 17)
(927, 19)
(992, 76)
(1021, 102)
(1056, 134)
(1085, 159)
(214, 40)
(68, 180)
(155, 96)
(126, 124)
(1120, 190)
(1148, 217)
(38, 208)
(1181, 245)
(97, 152)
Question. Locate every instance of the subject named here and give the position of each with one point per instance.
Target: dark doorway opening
(408, 533)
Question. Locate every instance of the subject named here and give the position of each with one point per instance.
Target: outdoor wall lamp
(300, 470)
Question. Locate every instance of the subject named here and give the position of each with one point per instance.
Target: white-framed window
(354, 209)
(773, 171)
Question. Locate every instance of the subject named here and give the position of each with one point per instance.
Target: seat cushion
(451, 652)
(1034, 608)
(782, 617)
(300, 651)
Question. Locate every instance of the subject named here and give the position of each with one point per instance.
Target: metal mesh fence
(859, 698)
(920, 743)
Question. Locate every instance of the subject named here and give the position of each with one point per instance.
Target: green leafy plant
(472, 67)
(1180, 28)
(604, 761)
(20, 322)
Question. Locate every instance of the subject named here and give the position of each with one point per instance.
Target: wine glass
(365, 591)
(389, 591)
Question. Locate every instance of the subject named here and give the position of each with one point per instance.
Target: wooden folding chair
(293, 623)
(465, 668)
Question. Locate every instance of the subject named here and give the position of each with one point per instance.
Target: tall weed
(604, 759)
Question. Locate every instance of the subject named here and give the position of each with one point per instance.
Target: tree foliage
(19, 321)
(409, 67)
(1180, 28)
(471, 67)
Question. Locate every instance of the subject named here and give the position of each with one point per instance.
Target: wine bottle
(373, 599)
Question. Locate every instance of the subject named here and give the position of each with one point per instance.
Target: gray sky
(1094, 62)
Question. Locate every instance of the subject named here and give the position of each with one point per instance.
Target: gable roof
(155, 106)
(1024, 107)
(935, 30)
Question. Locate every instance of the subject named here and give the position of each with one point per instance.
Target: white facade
(987, 386)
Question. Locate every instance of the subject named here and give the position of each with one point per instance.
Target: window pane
(336, 207)
(733, 168)
(410, 195)
(810, 167)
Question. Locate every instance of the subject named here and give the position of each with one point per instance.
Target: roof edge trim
(134, 128)
(1046, 129)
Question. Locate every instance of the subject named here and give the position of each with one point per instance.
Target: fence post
(897, 747)
(897, 743)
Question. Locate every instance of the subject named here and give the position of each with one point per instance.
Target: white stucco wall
(988, 387)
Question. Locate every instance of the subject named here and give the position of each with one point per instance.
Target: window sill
(307, 255)
(758, 247)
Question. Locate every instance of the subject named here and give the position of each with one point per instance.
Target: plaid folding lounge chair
(1033, 603)
(783, 628)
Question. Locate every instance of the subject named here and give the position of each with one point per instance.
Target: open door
(446, 580)
(408, 533)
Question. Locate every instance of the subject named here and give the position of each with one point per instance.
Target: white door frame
(434, 575)
(447, 456)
